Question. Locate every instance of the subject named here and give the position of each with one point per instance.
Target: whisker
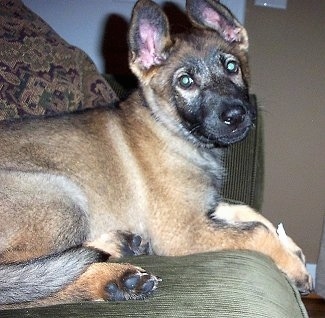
(195, 128)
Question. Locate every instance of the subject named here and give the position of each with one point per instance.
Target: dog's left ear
(213, 15)
(149, 36)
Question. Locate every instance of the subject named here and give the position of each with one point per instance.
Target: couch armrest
(244, 163)
(220, 284)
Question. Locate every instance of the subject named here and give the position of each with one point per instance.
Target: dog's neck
(171, 145)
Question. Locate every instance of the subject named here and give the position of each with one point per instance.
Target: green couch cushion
(221, 284)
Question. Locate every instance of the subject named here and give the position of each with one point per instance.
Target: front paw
(301, 278)
(134, 245)
(121, 243)
(296, 271)
(305, 284)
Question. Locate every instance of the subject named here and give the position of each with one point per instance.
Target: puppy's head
(195, 83)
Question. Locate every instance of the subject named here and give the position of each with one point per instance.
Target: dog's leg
(237, 215)
(265, 238)
(74, 275)
(47, 215)
(41, 214)
(110, 281)
(228, 229)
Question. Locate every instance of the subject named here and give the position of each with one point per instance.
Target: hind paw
(134, 245)
(133, 285)
(118, 244)
(111, 281)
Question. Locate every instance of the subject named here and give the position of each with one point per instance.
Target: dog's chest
(189, 180)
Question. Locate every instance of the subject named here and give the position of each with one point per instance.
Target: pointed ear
(148, 36)
(213, 15)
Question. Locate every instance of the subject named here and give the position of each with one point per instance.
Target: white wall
(81, 22)
(287, 50)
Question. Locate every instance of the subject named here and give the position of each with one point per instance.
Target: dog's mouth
(211, 138)
(235, 136)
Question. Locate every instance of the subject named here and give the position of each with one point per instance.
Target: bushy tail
(29, 281)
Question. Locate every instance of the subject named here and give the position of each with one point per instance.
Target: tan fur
(153, 198)
(122, 169)
(89, 286)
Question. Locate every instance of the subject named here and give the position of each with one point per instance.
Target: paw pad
(136, 285)
(133, 245)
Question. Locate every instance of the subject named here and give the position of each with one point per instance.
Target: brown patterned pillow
(40, 73)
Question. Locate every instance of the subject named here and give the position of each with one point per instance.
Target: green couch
(222, 284)
(42, 75)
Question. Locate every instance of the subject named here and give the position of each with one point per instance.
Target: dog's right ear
(149, 36)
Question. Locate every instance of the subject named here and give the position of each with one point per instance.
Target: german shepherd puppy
(78, 188)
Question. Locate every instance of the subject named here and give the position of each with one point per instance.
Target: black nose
(233, 115)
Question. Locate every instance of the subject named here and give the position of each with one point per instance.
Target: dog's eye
(231, 66)
(185, 81)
